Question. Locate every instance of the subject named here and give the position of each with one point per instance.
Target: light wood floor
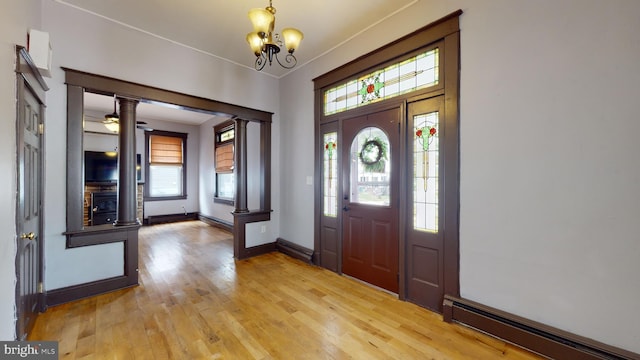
(195, 302)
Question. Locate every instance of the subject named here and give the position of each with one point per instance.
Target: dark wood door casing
(328, 242)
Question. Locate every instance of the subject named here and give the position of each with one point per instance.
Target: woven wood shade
(165, 149)
(224, 158)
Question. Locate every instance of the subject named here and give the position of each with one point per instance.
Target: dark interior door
(370, 158)
(29, 209)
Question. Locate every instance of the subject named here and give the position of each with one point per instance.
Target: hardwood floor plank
(196, 302)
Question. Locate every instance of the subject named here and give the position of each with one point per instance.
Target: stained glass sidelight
(425, 165)
(409, 75)
(370, 168)
(330, 171)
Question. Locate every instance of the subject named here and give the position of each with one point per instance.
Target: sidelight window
(425, 170)
(330, 171)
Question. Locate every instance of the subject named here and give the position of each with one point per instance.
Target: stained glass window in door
(330, 175)
(426, 169)
(370, 168)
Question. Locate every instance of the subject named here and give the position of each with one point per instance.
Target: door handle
(346, 208)
(29, 236)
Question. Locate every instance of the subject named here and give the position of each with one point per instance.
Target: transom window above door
(412, 74)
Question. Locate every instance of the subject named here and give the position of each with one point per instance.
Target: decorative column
(240, 149)
(127, 186)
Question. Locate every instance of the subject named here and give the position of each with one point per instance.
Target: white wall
(139, 58)
(550, 182)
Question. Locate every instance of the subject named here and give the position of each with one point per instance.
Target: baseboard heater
(215, 222)
(539, 338)
(294, 250)
(162, 219)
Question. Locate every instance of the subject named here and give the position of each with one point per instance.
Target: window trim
(147, 188)
(218, 130)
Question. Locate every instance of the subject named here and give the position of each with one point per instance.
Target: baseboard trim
(294, 250)
(257, 250)
(542, 339)
(169, 218)
(81, 291)
(215, 222)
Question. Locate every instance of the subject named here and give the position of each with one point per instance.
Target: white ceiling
(219, 28)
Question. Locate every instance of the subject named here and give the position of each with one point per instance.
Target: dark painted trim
(75, 158)
(294, 250)
(265, 165)
(127, 179)
(30, 72)
(240, 220)
(240, 164)
(258, 250)
(531, 335)
(169, 218)
(451, 162)
(108, 86)
(81, 291)
(215, 222)
(97, 235)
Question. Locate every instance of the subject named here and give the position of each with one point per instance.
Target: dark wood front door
(29, 205)
(370, 158)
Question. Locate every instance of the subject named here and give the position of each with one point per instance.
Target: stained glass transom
(370, 168)
(426, 169)
(330, 171)
(409, 75)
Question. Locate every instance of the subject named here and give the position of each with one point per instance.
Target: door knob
(346, 208)
(29, 236)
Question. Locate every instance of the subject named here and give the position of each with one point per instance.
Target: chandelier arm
(289, 60)
(261, 61)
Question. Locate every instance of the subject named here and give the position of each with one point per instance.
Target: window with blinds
(224, 186)
(224, 158)
(166, 165)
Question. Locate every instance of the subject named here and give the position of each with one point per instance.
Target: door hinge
(41, 129)
(40, 288)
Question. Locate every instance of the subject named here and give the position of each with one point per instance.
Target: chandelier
(265, 43)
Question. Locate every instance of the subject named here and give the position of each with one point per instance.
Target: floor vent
(531, 335)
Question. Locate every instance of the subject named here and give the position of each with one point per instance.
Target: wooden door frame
(446, 32)
(28, 78)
